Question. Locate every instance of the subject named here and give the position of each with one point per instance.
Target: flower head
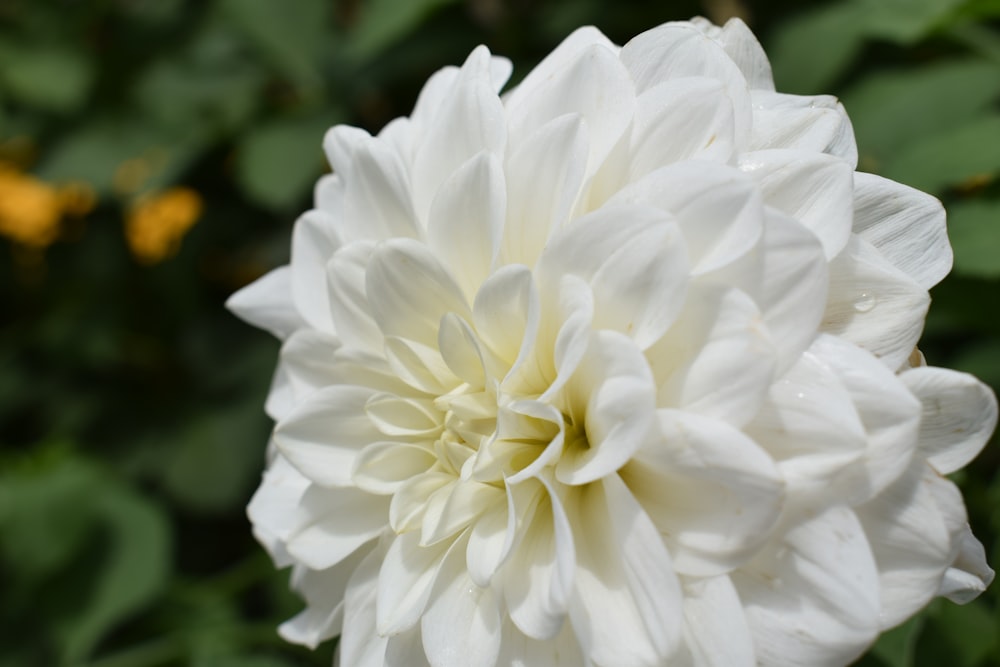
(614, 368)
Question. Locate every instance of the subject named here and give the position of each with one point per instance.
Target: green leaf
(44, 515)
(217, 96)
(974, 230)
(278, 162)
(811, 50)
(133, 573)
(973, 629)
(54, 509)
(896, 647)
(982, 359)
(906, 21)
(99, 152)
(216, 460)
(292, 39)
(384, 22)
(247, 660)
(891, 109)
(965, 154)
(51, 78)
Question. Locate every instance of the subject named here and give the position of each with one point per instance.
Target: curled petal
(913, 528)
(959, 415)
(613, 394)
(905, 225)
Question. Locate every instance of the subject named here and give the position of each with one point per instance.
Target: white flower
(616, 368)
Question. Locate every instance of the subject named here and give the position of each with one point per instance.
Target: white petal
(360, 645)
(398, 134)
(520, 650)
(712, 492)
(308, 360)
(324, 434)
(339, 144)
(409, 502)
(274, 508)
(718, 208)
(626, 607)
(813, 599)
(383, 467)
(461, 627)
(889, 412)
(460, 350)
(593, 84)
(639, 286)
(538, 577)
(613, 394)
(681, 119)
(328, 195)
(905, 225)
(406, 650)
(715, 627)
(677, 50)
(506, 313)
(280, 396)
(314, 240)
(969, 575)
(575, 307)
(913, 538)
(469, 119)
(463, 503)
(466, 220)
(490, 541)
(813, 188)
(959, 415)
(814, 124)
(560, 59)
(267, 303)
(377, 201)
(338, 522)
(432, 97)
(416, 418)
(741, 45)
(716, 360)
(794, 287)
(810, 425)
(419, 366)
(541, 419)
(324, 593)
(409, 291)
(405, 582)
(544, 175)
(349, 308)
(874, 305)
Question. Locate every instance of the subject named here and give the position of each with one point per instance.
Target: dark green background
(131, 419)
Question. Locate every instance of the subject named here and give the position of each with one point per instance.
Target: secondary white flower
(616, 368)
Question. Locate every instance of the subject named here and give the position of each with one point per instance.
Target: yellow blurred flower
(29, 208)
(156, 224)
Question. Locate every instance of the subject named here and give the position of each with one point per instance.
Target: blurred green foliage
(131, 419)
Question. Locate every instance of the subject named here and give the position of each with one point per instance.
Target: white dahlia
(616, 368)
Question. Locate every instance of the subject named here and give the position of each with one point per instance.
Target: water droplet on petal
(864, 303)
